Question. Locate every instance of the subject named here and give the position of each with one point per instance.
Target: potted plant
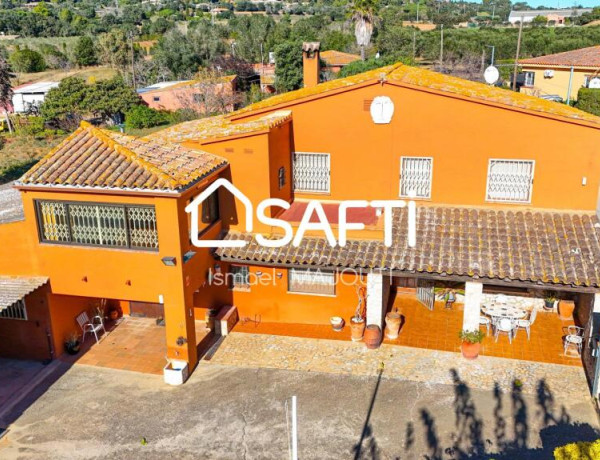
(471, 343)
(113, 314)
(72, 344)
(549, 301)
(357, 322)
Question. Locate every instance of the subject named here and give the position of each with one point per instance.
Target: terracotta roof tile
(583, 57)
(218, 127)
(92, 157)
(525, 245)
(338, 58)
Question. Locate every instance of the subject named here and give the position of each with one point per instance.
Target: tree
(27, 61)
(5, 85)
(363, 14)
(114, 49)
(85, 52)
(66, 105)
(111, 99)
(288, 72)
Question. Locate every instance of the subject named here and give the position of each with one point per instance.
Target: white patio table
(504, 311)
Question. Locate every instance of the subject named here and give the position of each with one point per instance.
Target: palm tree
(363, 14)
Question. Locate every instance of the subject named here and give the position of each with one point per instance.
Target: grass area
(61, 43)
(21, 152)
(87, 73)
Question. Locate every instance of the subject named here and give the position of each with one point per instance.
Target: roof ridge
(130, 155)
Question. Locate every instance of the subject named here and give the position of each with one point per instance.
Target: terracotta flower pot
(357, 329)
(113, 314)
(337, 323)
(470, 350)
(549, 305)
(392, 325)
(565, 309)
(372, 336)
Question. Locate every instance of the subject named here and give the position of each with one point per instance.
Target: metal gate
(425, 293)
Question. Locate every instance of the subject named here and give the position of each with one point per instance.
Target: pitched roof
(338, 58)
(218, 127)
(92, 157)
(529, 245)
(15, 288)
(415, 77)
(583, 57)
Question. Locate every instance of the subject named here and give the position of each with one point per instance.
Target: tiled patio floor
(135, 344)
(438, 330)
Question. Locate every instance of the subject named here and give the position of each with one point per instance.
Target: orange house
(104, 214)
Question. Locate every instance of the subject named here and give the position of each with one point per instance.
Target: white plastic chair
(574, 337)
(526, 323)
(505, 325)
(93, 326)
(485, 321)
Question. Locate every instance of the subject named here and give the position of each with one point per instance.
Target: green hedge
(589, 100)
(578, 451)
(141, 116)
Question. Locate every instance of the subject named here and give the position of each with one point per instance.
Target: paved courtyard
(440, 407)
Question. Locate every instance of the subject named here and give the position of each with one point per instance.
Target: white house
(26, 96)
(556, 16)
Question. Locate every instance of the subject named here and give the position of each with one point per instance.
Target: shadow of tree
(468, 441)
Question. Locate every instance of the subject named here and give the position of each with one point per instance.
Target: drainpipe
(570, 86)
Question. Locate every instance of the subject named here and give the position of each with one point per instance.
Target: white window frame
(528, 74)
(402, 162)
(306, 273)
(18, 305)
(302, 190)
(501, 200)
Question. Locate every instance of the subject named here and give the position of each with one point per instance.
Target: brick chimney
(310, 63)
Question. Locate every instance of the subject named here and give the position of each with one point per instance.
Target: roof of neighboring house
(583, 57)
(338, 58)
(15, 288)
(11, 205)
(161, 85)
(567, 13)
(530, 245)
(169, 85)
(415, 77)
(93, 157)
(218, 127)
(39, 87)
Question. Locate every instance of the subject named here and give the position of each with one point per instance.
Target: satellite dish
(594, 83)
(382, 109)
(491, 75)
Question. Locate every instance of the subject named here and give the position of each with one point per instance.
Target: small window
(210, 209)
(510, 181)
(240, 276)
(15, 311)
(311, 172)
(415, 176)
(156, 98)
(311, 282)
(281, 177)
(529, 78)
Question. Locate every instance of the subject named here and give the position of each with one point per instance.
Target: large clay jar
(357, 329)
(470, 350)
(392, 325)
(372, 336)
(565, 309)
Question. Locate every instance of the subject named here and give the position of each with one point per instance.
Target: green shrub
(26, 61)
(141, 116)
(578, 451)
(589, 100)
(31, 127)
(471, 336)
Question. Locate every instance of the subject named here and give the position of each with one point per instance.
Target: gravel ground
(11, 206)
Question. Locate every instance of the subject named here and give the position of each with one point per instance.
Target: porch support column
(378, 293)
(180, 330)
(471, 313)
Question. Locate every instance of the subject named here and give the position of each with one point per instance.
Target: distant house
(204, 96)
(267, 76)
(31, 95)
(336, 60)
(561, 74)
(557, 17)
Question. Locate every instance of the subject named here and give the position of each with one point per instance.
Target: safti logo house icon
(313, 207)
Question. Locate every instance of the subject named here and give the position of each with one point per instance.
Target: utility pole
(516, 69)
(132, 61)
(442, 48)
(414, 43)
(493, 11)
(418, 1)
(493, 53)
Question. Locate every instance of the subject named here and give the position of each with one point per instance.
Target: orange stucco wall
(461, 136)
(176, 98)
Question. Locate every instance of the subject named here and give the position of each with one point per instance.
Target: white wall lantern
(382, 110)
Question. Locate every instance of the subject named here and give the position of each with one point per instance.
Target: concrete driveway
(227, 412)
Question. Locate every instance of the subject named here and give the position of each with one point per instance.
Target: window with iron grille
(17, 310)
(311, 282)
(281, 177)
(529, 78)
(415, 176)
(510, 181)
(97, 224)
(311, 172)
(240, 276)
